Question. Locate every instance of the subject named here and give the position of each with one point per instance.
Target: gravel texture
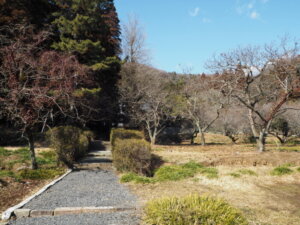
(85, 188)
(117, 218)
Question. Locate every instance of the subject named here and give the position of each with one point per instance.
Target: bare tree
(38, 85)
(144, 95)
(231, 126)
(201, 104)
(134, 42)
(258, 77)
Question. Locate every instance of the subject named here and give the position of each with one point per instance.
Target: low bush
(192, 209)
(132, 155)
(70, 143)
(281, 170)
(298, 169)
(120, 133)
(39, 174)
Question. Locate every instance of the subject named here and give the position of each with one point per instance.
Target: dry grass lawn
(264, 199)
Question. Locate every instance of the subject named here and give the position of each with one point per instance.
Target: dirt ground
(263, 198)
(12, 192)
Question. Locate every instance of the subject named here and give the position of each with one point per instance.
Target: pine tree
(90, 30)
(29, 12)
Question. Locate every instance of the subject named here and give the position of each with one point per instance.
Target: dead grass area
(37, 149)
(12, 192)
(263, 198)
(239, 154)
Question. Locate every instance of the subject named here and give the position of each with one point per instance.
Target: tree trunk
(203, 143)
(152, 136)
(34, 165)
(261, 141)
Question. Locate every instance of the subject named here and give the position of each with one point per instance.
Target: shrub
(192, 209)
(121, 133)
(70, 143)
(298, 169)
(281, 170)
(39, 174)
(132, 155)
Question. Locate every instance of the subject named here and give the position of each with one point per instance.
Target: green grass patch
(193, 209)
(209, 172)
(247, 172)
(6, 173)
(235, 175)
(39, 174)
(45, 158)
(281, 170)
(172, 173)
(4, 152)
(132, 177)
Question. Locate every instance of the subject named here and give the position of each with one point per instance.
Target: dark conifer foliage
(90, 30)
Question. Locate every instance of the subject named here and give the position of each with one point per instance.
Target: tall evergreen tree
(33, 12)
(90, 30)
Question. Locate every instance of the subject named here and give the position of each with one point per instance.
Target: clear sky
(184, 34)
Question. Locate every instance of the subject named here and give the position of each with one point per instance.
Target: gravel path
(85, 188)
(118, 218)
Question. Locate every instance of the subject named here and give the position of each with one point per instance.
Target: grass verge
(172, 173)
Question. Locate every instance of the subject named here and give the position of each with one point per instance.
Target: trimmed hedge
(120, 133)
(70, 143)
(192, 209)
(132, 155)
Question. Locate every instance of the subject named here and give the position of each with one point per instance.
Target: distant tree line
(252, 90)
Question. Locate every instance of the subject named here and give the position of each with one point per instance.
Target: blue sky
(184, 34)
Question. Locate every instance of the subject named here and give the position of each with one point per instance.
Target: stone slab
(67, 210)
(19, 213)
(39, 213)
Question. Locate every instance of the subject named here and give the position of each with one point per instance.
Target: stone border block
(67, 210)
(39, 213)
(19, 213)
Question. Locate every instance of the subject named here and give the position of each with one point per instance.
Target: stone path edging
(19, 213)
(7, 214)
